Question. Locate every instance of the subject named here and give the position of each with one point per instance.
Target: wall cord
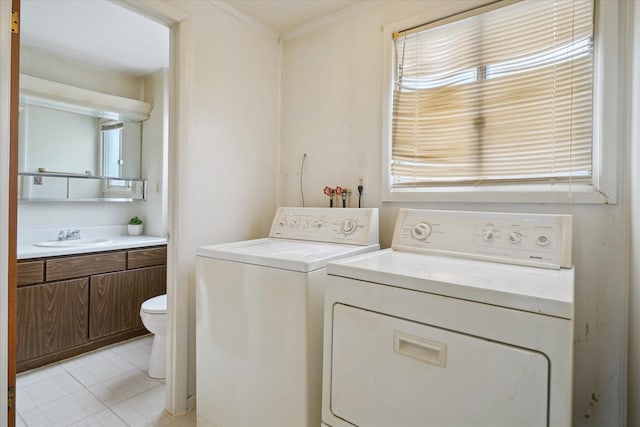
(301, 175)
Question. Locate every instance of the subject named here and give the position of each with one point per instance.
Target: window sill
(583, 194)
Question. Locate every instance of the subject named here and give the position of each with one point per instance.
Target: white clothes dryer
(466, 321)
(259, 308)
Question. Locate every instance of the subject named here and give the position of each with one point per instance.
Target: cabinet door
(115, 299)
(52, 317)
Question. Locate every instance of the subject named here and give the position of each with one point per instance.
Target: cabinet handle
(420, 348)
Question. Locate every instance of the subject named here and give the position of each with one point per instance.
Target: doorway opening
(63, 66)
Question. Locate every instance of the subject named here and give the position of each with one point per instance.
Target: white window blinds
(500, 97)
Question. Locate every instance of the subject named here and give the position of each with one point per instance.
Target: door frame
(12, 271)
(7, 211)
(177, 372)
(177, 314)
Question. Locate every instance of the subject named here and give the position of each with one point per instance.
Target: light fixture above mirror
(48, 94)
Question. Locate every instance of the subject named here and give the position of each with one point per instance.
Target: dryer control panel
(537, 240)
(334, 225)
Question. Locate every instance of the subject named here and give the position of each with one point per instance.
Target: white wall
(38, 63)
(223, 184)
(155, 145)
(332, 106)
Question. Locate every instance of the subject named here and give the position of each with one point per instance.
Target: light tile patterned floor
(109, 387)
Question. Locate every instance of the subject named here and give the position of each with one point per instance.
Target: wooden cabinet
(30, 272)
(69, 305)
(84, 265)
(147, 257)
(52, 317)
(116, 299)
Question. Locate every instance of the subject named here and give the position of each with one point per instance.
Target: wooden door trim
(13, 213)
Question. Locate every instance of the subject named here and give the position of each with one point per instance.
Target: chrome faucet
(69, 234)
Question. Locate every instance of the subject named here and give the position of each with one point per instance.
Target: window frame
(119, 185)
(104, 144)
(607, 125)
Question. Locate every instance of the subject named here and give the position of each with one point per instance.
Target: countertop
(116, 234)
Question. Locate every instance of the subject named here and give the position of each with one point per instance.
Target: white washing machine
(466, 321)
(259, 308)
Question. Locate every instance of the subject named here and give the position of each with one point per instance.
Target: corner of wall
(633, 193)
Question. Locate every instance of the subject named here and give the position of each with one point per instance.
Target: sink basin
(73, 243)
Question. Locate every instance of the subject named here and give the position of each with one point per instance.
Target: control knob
(348, 226)
(421, 231)
(515, 237)
(542, 240)
(488, 236)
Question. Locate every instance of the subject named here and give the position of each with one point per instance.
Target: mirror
(55, 144)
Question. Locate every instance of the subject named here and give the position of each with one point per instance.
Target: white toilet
(153, 313)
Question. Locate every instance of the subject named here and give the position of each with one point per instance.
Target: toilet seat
(155, 305)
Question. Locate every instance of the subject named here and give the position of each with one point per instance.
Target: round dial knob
(421, 231)
(488, 236)
(348, 226)
(542, 240)
(515, 237)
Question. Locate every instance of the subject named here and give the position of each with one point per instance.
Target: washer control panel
(334, 225)
(525, 239)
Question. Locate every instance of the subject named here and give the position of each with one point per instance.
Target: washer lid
(537, 290)
(286, 254)
(155, 305)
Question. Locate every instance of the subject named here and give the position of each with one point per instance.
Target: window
(112, 153)
(500, 98)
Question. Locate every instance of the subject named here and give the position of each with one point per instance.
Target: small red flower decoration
(338, 190)
(328, 191)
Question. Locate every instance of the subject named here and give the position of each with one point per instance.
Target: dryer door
(388, 371)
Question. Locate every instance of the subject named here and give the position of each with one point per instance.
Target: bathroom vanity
(73, 303)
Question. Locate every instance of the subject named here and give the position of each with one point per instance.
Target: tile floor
(108, 387)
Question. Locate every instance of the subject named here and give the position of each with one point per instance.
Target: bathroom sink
(73, 243)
